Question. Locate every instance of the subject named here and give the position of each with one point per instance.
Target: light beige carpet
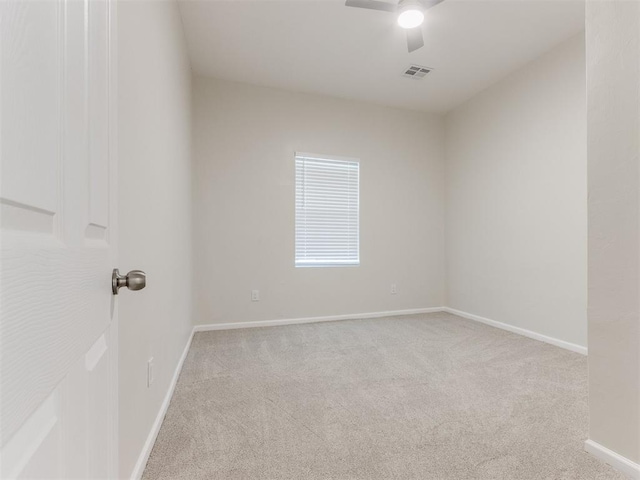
(427, 396)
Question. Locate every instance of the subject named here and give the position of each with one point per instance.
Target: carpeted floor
(428, 396)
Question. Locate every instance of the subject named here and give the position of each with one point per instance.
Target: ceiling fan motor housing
(410, 5)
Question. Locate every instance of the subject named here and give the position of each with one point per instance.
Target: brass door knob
(134, 280)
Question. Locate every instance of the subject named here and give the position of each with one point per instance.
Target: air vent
(416, 71)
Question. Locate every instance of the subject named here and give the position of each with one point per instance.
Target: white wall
(244, 143)
(613, 77)
(154, 210)
(516, 198)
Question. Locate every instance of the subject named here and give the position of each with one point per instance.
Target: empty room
(320, 239)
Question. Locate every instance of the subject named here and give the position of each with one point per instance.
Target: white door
(58, 411)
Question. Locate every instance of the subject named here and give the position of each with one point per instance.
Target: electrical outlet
(394, 289)
(255, 295)
(150, 372)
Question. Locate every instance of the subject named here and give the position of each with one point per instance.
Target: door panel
(58, 327)
(31, 100)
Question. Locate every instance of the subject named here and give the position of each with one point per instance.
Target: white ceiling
(327, 48)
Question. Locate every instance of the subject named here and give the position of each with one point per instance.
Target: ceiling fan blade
(373, 5)
(414, 39)
(427, 4)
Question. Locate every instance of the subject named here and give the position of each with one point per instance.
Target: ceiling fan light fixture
(411, 15)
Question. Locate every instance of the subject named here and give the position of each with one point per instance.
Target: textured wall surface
(244, 143)
(613, 79)
(154, 210)
(516, 198)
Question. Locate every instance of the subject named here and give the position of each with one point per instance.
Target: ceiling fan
(410, 15)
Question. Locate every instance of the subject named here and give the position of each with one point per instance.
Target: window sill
(324, 265)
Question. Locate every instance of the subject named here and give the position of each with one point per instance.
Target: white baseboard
(138, 469)
(520, 331)
(332, 318)
(620, 463)
(294, 321)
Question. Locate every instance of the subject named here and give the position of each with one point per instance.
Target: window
(327, 211)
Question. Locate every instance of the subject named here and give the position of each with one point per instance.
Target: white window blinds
(327, 211)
